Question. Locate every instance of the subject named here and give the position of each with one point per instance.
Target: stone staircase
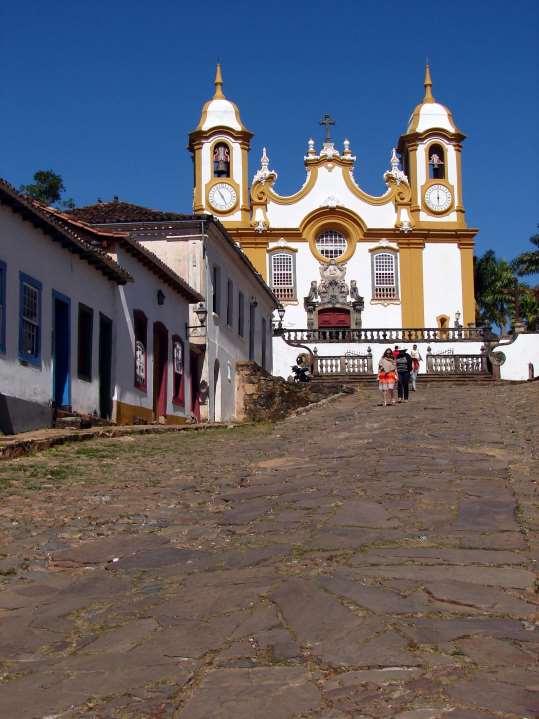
(64, 419)
(371, 380)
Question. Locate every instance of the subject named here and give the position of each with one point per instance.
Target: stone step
(422, 379)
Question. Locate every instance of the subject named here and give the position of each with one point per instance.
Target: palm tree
(494, 289)
(527, 263)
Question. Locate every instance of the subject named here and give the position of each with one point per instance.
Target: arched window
(221, 160)
(283, 275)
(331, 244)
(385, 281)
(437, 162)
(140, 322)
(178, 371)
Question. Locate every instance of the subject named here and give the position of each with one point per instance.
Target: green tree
(529, 306)
(48, 188)
(527, 263)
(494, 290)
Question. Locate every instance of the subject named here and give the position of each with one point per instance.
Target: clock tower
(220, 148)
(431, 153)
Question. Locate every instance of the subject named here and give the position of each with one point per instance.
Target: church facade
(334, 255)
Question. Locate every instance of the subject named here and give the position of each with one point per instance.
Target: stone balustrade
(296, 337)
(346, 365)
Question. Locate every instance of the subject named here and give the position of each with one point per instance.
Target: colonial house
(90, 323)
(233, 321)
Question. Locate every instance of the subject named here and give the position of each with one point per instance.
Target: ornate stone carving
(329, 151)
(395, 174)
(333, 292)
(264, 173)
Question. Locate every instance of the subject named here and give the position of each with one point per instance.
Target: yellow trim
(438, 213)
(130, 414)
(467, 279)
(350, 182)
(257, 254)
(213, 145)
(282, 248)
(427, 146)
(411, 285)
(340, 219)
(260, 190)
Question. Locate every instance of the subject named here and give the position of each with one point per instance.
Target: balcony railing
(386, 335)
(457, 364)
(343, 366)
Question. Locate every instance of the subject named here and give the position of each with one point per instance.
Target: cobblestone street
(355, 562)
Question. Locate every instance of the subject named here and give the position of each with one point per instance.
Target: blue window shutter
(3, 284)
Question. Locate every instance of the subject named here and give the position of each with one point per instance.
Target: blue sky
(105, 93)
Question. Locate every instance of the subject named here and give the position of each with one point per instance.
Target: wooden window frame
(178, 378)
(395, 295)
(24, 357)
(3, 312)
(281, 292)
(89, 312)
(241, 314)
(140, 316)
(229, 303)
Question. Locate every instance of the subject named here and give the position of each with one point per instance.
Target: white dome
(220, 112)
(431, 115)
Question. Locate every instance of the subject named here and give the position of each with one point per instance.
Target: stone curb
(21, 447)
(314, 405)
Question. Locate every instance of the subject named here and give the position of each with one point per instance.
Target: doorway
(61, 351)
(105, 366)
(160, 366)
(216, 392)
(195, 367)
(333, 317)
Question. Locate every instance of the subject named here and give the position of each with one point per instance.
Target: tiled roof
(100, 236)
(68, 236)
(116, 211)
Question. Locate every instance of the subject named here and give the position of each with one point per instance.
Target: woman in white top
(416, 359)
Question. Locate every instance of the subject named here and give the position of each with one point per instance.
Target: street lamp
(198, 330)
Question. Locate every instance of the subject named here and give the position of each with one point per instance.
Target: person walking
(404, 368)
(387, 376)
(416, 359)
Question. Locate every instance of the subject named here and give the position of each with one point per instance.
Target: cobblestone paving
(353, 562)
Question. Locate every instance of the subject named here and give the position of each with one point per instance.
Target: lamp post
(279, 328)
(197, 330)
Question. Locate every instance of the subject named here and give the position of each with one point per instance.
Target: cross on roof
(327, 120)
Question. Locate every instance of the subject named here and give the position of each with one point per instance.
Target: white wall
(358, 268)
(173, 314)
(330, 184)
(442, 282)
(26, 249)
(518, 355)
(187, 257)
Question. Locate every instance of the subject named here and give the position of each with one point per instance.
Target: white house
(91, 322)
(237, 304)
(58, 299)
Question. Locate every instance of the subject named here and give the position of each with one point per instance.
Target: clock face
(438, 198)
(222, 196)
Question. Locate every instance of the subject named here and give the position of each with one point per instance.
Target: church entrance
(160, 357)
(334, 317)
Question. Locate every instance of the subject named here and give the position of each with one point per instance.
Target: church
(335, 256)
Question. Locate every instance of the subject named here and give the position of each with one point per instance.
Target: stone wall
(261, 396)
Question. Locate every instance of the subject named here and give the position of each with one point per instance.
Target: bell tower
(220, 148)
(431, 153)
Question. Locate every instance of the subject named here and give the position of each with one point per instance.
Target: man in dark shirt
(404, 367)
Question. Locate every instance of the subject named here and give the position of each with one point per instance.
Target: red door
(160, 366)
(334, 317)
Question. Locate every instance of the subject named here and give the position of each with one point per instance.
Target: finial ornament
(311, 152)
(264, 173)
(218, 83)
(428, 85)
(395, 173)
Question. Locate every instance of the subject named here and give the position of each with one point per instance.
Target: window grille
(141, 334)
(331, 244)
(3, 273)
(29, 321)
(385, 276)
(283, 276)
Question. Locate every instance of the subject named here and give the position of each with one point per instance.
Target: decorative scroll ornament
(261, 226)
(264, 173)
(331, 201)
(405, 226)
(329, 151)
(395, 173)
